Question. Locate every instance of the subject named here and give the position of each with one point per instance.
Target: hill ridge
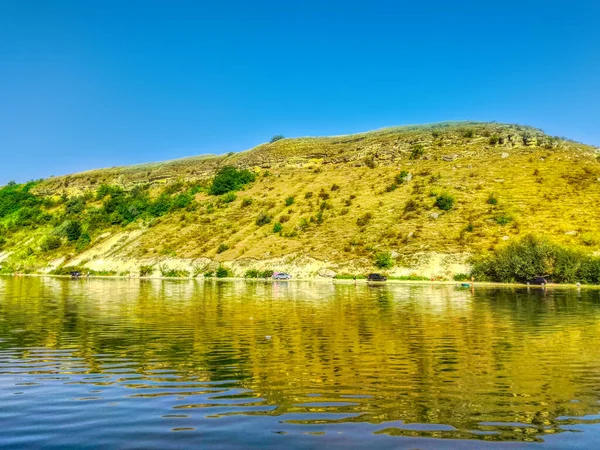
(413, 200)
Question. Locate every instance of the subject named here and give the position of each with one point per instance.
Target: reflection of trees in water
(424, 353)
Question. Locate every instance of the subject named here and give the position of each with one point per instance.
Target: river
(113, 363)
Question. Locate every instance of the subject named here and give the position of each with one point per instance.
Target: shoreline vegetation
(446, 201)
(321, 280)
(514, 264)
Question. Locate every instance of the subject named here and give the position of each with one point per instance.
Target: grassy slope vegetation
(409, 200)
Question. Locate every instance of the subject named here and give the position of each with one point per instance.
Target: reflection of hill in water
(424, 354)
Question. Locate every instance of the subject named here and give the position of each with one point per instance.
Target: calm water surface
(179, 364)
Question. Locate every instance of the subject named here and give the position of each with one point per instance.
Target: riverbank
(321, 280)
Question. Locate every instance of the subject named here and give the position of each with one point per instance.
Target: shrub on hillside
(492, 200)
(277, 227)
(75, 205)
(323, 195)
(247, 202)
(417, 151)
(222, 248)
(72, 230)
(254, 273)
(289, 201)
(401, 177)
(411, 205)
(384, 260)
(181, 201)
(228, 198)
(146, 271)
(503, 219)
(531, 257)
(104, 190)
(460, 277)
(230, 179)
(444, 201)
(223, 272)
(51, 242)
(364, 219)
(84, 240)
(276, 138)
(14, 197)
(467, 133)
(160, 206)
(263, 219)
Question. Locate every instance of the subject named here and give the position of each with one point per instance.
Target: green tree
(73, 230)
(230, 179)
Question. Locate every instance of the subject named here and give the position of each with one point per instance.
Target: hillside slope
(414, 200)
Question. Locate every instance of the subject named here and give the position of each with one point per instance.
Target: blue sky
(87, 84)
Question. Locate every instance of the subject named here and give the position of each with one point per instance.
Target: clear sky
(97, 83)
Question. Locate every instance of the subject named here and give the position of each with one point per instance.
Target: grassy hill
(409, 201)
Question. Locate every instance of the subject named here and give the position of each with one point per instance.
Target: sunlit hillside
(415, 200)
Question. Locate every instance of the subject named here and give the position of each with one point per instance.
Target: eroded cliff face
(406, 201)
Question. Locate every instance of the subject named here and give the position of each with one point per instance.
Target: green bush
(417, 151)
(14, 197)
(228, 198)
(364, 219)
(349, 276)
(251, 273)
(289, 201)
(308, 195)
(146, 271)
(370, 162)
(247, 202)
(223, 272)
(105, 190)
(503, 219)
(268, 273)
(412, 277)
(209, 274)
(181, 201)
(276, 138)
(173, 273)
(160, 206)
(384, 260)
(73, 230)
(401, 177)
(67, 270)
(323, 195)
(461, 277)
(51, 242)
(531, 257)
(494, 139)
(222, 248)
(230, 179)
(411, 205)
(467, 133)
(444, 201)
(391, 187)
(75, 205)
(83, 241)
(263, 219)
(492, 200)
(277, 227)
